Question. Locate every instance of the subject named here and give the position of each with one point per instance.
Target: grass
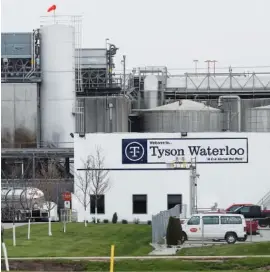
(244, 249)
(93, 240)
(147, 265)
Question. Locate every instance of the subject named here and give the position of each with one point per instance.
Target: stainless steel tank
(19, 114)
(258, 119)
(183, 116)
(102, 114)
(22, 198)
(151, 93)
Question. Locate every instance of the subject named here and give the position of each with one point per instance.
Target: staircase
(265, 201)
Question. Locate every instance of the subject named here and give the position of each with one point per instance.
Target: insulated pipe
(238, 106)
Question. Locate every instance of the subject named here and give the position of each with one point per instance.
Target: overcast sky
(159, 32)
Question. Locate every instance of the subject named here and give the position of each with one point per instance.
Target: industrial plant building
(61, 102)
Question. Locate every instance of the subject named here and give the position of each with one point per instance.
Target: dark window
(100, 204)
(174, 200)
(211, 220)
(139, 204)
(194, 220)
(230, 220)
(245, 209)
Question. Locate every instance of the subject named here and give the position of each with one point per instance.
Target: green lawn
(93, 240)
(145, 265)
(229, 250)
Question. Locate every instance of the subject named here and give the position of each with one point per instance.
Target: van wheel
(184, 237)
(231, 238)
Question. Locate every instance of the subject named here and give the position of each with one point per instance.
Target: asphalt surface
(9, 225)
(100, 258)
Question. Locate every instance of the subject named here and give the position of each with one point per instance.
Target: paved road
(9, 225)
(100, 258)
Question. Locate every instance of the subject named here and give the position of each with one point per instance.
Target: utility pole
(214, 61)
(124, 73)
(208, 65)
(196, 65)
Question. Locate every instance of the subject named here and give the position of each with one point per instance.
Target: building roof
(184, 105)
(267, 107)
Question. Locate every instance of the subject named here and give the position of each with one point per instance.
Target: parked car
(228, 227)
(252, 212)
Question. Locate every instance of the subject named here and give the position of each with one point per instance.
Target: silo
(183, 116)
(258, 119)
(58, 85)
(151, 93)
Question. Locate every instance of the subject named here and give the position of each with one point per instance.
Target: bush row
(115, 220)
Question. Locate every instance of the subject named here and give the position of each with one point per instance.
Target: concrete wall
(224, 178)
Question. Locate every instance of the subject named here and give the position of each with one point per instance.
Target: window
(100, 204)
(210, 220)
(174, 200)
(194, 220)
(245, 209)
(139, 204)
(230, 220)
(234, 208)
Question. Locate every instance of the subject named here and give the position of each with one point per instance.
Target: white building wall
(224, 183)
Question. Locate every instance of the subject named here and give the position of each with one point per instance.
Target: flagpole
(54, 16)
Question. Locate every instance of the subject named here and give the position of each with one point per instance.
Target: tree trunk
(29, 226)
(50, 223)
(96, 210)
(85, 221)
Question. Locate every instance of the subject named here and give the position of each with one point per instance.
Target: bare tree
(49, 176)
(83, 186)
(100, 182)
(93, 181)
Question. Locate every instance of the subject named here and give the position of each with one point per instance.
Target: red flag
(51, 8)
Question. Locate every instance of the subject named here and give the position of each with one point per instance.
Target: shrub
(94, 221)
(174, 232)
(114, 218)
(124, 221)
(149, 222)
(136, 221)
(105, 221)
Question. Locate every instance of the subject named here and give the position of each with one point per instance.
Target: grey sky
(162, 32)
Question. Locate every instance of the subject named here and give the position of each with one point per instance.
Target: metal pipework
(238, 106)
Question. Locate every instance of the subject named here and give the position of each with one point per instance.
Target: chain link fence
(160, 222)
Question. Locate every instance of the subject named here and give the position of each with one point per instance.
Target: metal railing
(265, 201)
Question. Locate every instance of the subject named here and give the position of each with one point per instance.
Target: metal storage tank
(19, 115)
(102, 114)
(258, 119)
(183, 116)
(151, 93)
(58, 86)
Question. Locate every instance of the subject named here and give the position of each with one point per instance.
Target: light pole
(124, 73)
(106, 43)
(214, 61)
(196, 65)
(208, 65)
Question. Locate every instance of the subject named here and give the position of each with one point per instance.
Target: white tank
(58, 85)
(151, 92)
(258, 119)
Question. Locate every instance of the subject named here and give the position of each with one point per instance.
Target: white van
(215, 226)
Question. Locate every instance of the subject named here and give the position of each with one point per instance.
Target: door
(210, 227)
(193, 228)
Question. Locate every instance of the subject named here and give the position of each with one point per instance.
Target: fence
(160, 222)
